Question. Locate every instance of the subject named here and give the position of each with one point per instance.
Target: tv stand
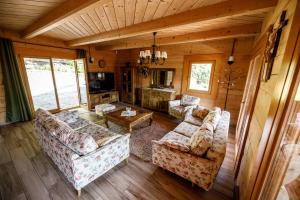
(105, 97)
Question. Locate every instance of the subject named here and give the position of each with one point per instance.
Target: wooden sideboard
(157, 99)
(105, 97)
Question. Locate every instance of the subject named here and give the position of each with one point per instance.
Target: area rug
(143, 134)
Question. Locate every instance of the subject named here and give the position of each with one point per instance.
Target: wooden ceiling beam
(224, 33)
(223, 10)
(58, 16)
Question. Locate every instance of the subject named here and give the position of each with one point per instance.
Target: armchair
(178, 108)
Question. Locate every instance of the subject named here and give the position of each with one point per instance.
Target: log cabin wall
(175, 60)
(267, 100)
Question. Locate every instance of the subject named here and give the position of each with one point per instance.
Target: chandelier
(154, 57)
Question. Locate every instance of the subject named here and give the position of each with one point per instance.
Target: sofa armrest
(174, 103)
(89, 167)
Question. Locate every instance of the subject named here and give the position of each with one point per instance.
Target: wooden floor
(27, 173)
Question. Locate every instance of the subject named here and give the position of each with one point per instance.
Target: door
(66, 83)
(127, 85)
(247, 105)
(56, 84)
(81, 76)
(41, 83)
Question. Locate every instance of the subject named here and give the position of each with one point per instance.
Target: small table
(129, 122)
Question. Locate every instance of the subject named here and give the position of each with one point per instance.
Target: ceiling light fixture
(154, 57)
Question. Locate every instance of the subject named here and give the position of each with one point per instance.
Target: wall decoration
(101, 63)
(273, 35)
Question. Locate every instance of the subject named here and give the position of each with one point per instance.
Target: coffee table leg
(150, 123)
(106, 123)
(129, 128)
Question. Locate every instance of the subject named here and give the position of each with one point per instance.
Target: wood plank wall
(266, 94)
(176, 60)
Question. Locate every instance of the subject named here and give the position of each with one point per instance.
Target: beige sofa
(179, 157)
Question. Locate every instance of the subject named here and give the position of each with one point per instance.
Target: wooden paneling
(269, 102)
(248, 30)
(110, 58)
(196, 19)
(175, 60)
(17, 14)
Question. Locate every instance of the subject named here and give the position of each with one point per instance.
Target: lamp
(154, 57)
(230, 60)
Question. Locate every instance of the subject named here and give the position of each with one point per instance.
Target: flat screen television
(101, 82)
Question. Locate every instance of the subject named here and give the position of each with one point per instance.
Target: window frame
(212, 71)
(27, 87)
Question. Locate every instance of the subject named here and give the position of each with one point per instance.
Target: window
(200, 77)
(40, 81)
(56, 83)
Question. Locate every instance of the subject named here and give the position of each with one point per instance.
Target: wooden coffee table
(129, 122)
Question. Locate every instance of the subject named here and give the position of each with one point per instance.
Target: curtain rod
(45, 45)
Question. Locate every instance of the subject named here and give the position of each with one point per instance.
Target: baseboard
(236, 192)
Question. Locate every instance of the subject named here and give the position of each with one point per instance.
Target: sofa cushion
(84, 144)
(201, 141)
(178, 111)
(189, 118)
(101, 135)
(218, 149)
(213, 117)
(60, 130)
(200, 112)
(188, 100)
(176, 141)
(186, 129)
(72, 119)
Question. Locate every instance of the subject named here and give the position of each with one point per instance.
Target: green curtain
(17, 106)
(81, 53)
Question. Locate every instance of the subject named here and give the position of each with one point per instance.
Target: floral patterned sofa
(82, 150)
(196, 148)
(179, 108)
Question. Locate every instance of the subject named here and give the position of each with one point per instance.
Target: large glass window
(200, 76)
(66, 82)
(56, 84)
(41, 85)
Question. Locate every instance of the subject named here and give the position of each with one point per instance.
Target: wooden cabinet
(157, 99)
(127, 85)
(106, 97)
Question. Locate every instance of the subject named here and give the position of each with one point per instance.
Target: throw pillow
(201, 141)
(200, 112)
(213, 118)
(84, 145)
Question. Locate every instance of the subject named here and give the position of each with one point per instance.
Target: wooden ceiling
(18, 14)
(115, 22)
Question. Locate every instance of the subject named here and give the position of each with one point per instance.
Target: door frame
(27, 86)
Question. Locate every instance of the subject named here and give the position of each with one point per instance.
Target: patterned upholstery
(186, 129)
(200, 170)
(188, 100)
(178, 108)
(80, 169)
(176, 141)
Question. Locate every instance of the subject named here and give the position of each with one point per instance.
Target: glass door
(56, 84)
(41, 83)
(66, 83)
(81, 81)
